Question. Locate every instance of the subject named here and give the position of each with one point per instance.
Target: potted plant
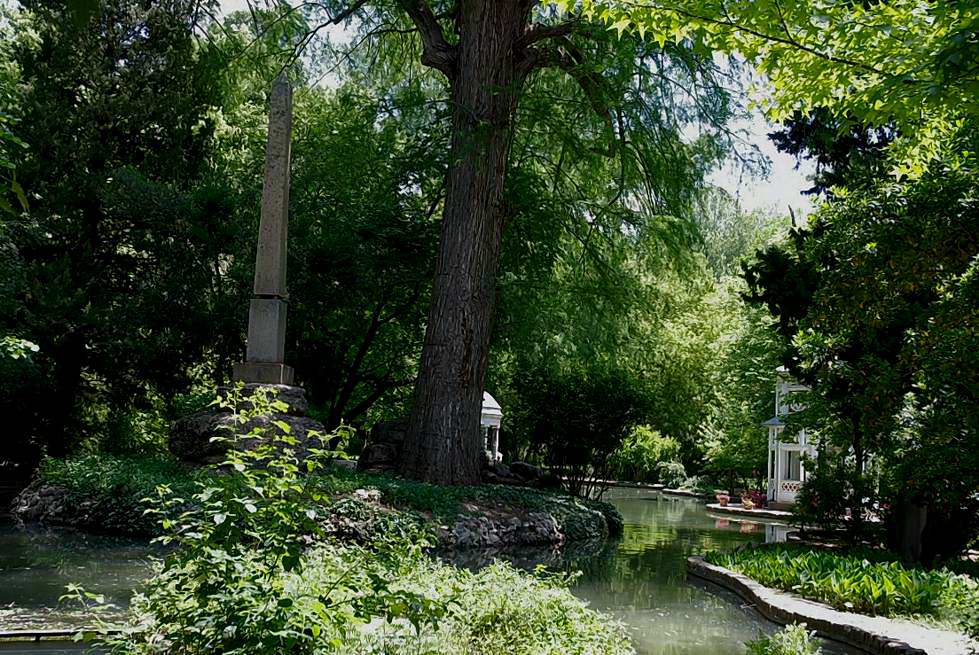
(722, 499)
(747, 502)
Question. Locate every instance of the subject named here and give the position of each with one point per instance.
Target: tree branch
(571, 60)
(437, 53)
(347, 13)
(541, 31)
(729, 22)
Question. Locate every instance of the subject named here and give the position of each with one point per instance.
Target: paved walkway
(874, 634)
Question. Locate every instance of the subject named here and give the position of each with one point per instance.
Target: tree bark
(443, 444)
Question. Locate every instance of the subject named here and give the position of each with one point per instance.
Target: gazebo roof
(492, 413)
(774, 422)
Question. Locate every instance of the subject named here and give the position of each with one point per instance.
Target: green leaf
(19, 192)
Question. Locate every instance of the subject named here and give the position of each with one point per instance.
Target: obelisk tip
(281, 84)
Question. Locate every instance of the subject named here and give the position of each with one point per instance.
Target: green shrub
(639, 456)
(255, 571)
(867, 583)
(792, 640)
(672, 474)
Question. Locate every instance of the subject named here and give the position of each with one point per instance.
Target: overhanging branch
(437, 53)
(569, 58)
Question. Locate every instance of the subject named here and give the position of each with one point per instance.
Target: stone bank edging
(683, 493)
(866, 633)
(758, 512)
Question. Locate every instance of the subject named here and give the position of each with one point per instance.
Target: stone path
(873, 634)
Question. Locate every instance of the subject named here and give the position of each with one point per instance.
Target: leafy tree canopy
(906, 62)
(873, 297)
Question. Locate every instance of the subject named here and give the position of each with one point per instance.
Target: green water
(37, 563)
(641, 579)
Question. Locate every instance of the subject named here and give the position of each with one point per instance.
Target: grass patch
(113, 489)
(866, 582)
(499, 610)
(106, 493)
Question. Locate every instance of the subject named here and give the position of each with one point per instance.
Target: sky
(782, 187)
(777, 192)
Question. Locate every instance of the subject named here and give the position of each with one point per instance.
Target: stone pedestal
(264, 373)
(267, 330)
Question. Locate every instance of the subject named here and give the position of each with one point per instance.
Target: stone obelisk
(192, 438)
(267, 313)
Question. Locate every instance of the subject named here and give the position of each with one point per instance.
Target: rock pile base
(192, 437)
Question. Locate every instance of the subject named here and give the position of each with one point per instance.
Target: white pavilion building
(786, 468)
(490, 420)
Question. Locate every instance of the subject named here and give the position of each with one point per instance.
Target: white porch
(786, 457)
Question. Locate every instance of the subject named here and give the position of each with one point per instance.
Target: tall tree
(843, 151)
(487, 52)
(873, 298)
(128, 88)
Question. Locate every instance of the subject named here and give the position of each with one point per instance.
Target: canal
(640, 579)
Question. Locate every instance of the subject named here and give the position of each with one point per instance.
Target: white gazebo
(492, 416)
(786, 465)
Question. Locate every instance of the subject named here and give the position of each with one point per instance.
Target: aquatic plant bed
(877, 635)
(758, 513)
(106, 494)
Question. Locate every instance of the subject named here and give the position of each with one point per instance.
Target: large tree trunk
(443, 442)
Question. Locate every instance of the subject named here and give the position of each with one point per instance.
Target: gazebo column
(768, 469)
(495, 442)
(779, 464)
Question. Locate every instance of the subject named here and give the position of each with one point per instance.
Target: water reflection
(36, 564)
(644, 582)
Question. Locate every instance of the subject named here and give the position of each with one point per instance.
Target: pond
(643, 580)
(640, 579)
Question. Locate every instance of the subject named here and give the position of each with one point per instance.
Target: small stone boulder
(472, 532)
(385, 444)
(500, 473)
(526, 472)
(43, 503)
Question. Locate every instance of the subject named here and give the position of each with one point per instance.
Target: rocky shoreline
(478, 527)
